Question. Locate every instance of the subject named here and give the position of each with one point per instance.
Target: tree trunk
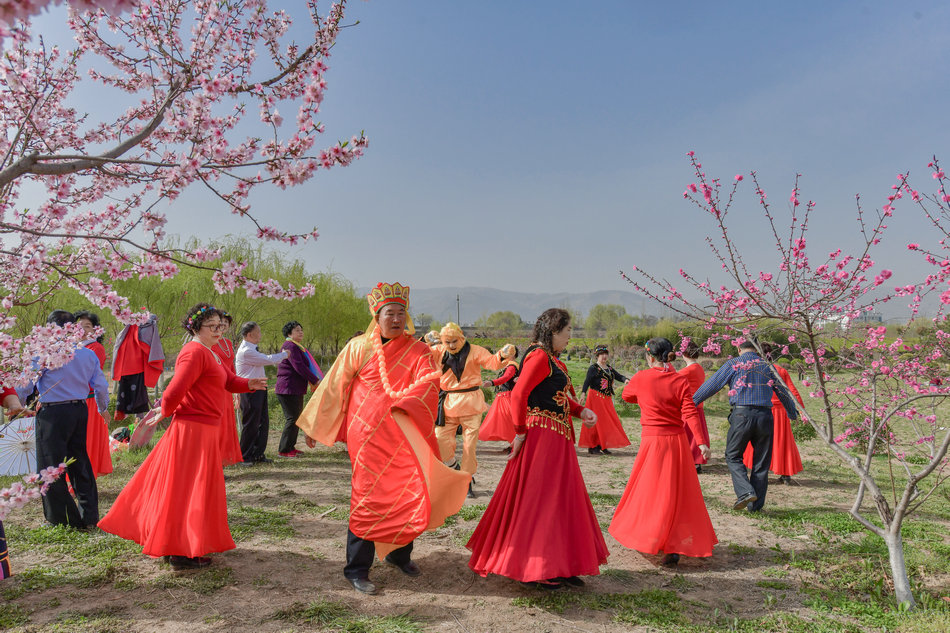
(895, 551)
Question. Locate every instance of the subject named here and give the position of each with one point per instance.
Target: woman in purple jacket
(294, 374)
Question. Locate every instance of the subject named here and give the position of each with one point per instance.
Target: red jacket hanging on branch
(137, 363)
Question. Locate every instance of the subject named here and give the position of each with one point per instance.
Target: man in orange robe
(383, 388)
(461, 402)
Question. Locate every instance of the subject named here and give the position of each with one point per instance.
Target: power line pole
(458, 318)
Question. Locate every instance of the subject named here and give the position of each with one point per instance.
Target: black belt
(752, 406)
(440, 410)
(53, 404)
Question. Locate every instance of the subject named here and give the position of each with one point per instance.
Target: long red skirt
(230, 442)
(175, 503)
(785, 458)
(97, 440)
(662, 507)
(540, 523)
(497, 425)
(608, 432)
(694, 441)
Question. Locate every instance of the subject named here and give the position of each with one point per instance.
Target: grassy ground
(803, 565)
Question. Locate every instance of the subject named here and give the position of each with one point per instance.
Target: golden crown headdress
(385, 293)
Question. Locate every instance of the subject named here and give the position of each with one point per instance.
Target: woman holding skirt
(608, 433)
(175, 505)
(540, 527)
(662, 507)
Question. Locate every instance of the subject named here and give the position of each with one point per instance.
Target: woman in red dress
(608, 432)
(175, 505)
(786, 460)
(540, 526)
(696, 376)
(97, 429)
(230, 442)
(498, 425)
(662, 507)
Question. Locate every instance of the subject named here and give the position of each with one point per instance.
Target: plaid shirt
(751, 384)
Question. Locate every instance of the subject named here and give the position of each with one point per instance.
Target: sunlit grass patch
(335, 616)
(301, 505)
(83, 559)
(246, 522)
(652, 607)
(105, 620)
(472, 512)
(604, 499)
(12, 615)
(205, 581)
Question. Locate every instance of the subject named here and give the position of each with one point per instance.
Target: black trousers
(360, 553)
(750, 425)
(292, 406)
(61, 434)
(255, 425)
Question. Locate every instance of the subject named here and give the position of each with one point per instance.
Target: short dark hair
(92, 317)
(289, 327)
(247, 328)
(60, 318)
(551, 321)
(748, 344)
(197, 315)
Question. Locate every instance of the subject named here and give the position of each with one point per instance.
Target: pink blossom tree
(190, 93)
(873, 402)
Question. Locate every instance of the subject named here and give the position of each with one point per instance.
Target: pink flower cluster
(184, 77)
(32, 487)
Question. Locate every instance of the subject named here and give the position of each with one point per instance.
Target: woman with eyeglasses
(174, 505)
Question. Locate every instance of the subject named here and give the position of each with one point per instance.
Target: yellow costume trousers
(446, 438)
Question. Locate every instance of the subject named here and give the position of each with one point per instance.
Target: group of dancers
(396, 401)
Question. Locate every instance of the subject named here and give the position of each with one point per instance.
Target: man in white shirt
(255, 421)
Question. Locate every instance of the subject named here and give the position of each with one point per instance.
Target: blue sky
(540, 147)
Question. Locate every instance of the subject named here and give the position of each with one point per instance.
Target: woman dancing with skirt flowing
(540, 527)
(662, 507)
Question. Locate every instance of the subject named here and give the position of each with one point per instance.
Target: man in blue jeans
(751, 385)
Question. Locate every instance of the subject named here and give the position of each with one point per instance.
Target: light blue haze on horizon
(540, 147)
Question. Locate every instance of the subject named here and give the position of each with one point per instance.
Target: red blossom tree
(199, 90)
(873, 402)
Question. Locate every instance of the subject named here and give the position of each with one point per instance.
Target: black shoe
(246, 463)
(594, 451)
(471, 493)
(742, 502)
(573, 581)
(363, 585)
(699, 469)
(546, 585)
(188, 562)
(605, 451)
(785, 479)
(263, 459)
(410, 568)
(670, 560)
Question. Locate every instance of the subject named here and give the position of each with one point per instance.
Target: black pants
(360, 553)
(750, 425)
(61, 434)
(292, 405)
(255, 425)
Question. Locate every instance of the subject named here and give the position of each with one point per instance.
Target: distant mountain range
(473, 303)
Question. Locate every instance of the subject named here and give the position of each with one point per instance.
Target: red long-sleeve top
(666, 402)
(199, 386)
(535, 369)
